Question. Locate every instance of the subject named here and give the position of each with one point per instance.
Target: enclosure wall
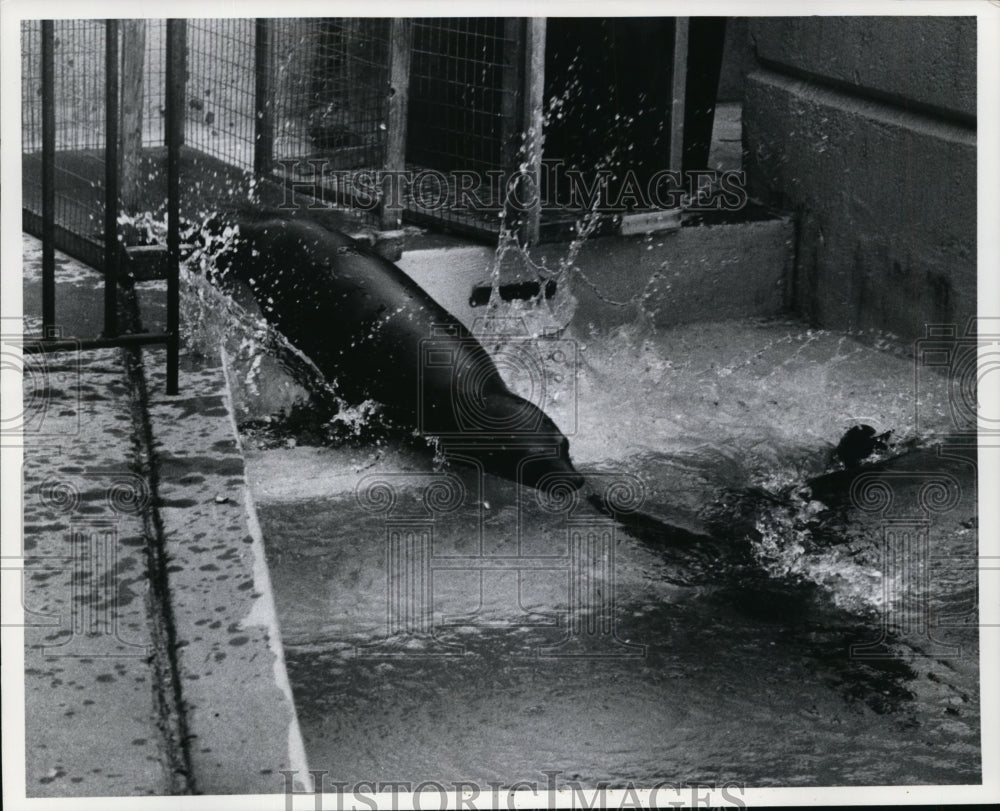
(866, 129)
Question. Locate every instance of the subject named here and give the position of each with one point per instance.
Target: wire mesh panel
(220, 90)
(79, 91)
(465, 89)
(329, 99)
(31, 86)
(304, 101)
(154, 82)
(79, 125)
(456, 88)
(84, 165)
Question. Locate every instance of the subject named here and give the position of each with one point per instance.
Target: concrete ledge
(705, 272)
(236, 693)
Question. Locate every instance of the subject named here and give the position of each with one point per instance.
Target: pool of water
(464, 650)
(442, 625)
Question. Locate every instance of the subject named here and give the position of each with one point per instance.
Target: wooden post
(533, 122)
(679, 83)
(400, 38)
(48, 179)
(511, 107)
(111, 178)
(133, 34)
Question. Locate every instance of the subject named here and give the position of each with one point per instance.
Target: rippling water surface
(792, 648)
(438, 626)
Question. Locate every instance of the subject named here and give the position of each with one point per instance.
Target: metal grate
(84, 162)
(457, 87)
(464, 99)
(330, 80)
(220, 90)
(154, 83)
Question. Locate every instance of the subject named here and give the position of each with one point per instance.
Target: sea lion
(374, 333)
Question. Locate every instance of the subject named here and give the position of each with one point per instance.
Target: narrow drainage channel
(167, 694)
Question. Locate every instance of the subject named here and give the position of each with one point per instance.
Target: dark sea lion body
(374, 333)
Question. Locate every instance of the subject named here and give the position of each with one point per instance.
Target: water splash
(263, 360)
(785, 548)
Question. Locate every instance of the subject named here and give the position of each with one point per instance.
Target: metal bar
(48, 179)
(176, 76)
(400, 42)
(534, 97)
(263, 153)
(38, 346)
(111, 178)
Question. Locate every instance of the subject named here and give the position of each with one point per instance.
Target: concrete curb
(237, 698)
(266, 612)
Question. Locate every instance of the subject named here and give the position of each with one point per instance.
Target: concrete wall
(865, 128)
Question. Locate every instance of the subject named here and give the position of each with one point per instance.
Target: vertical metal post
(176, 76)
(48, 179)
(263, 152)
(400, 39)
(534, 97)
(111, 178)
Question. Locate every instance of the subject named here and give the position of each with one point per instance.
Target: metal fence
(330, 88)
(474, 99)
(273, 109)
(464, 116)
(329, 103)
(182, 118)
(78, 119)
(79, 116)
(220, 103)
